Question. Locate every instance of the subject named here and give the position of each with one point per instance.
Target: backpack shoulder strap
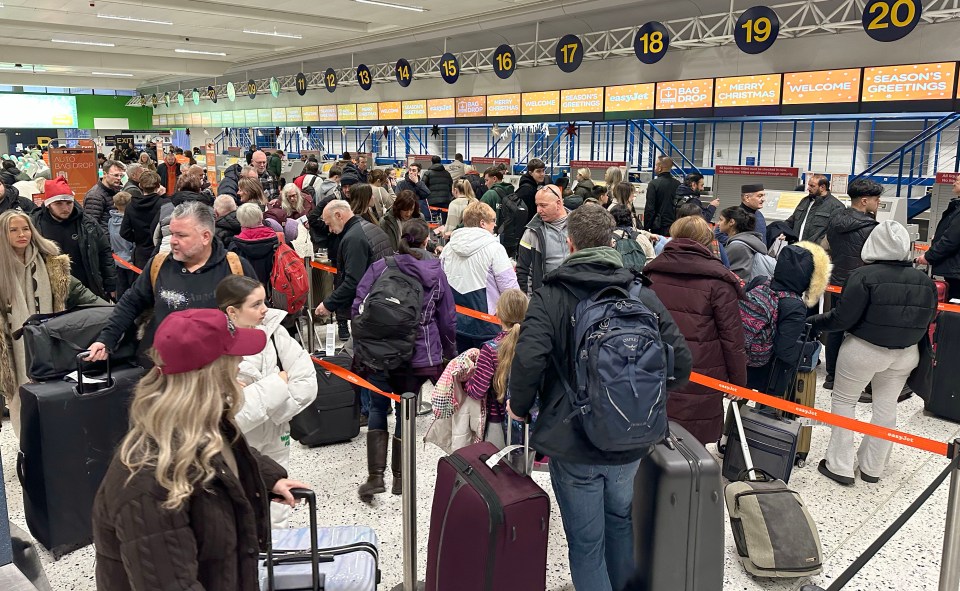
(313, 180)
(281, 237)
(236, 267)
(155, 267)
(391, 262)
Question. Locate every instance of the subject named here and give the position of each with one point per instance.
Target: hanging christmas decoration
(435, 132)
(571, 130)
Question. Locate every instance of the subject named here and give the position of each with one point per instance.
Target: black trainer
(842, 480)
(828, 382)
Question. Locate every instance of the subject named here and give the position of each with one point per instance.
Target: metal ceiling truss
(797, 19)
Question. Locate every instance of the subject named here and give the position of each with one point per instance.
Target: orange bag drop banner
(77, 165)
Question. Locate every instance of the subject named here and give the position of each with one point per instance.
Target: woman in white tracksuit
(279, 382)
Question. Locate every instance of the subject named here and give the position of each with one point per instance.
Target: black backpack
(514, 217)
(385, 330)
(309, 190)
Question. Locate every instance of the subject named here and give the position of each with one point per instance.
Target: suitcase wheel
(801, 460)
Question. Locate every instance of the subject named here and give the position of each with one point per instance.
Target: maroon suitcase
(488, 527)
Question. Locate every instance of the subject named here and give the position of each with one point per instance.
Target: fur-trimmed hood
(803, 268)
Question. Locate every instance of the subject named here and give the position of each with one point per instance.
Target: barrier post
(408, 467)
(311, 341)
(950, 563)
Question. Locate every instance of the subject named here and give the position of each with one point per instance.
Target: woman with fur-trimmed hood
(802, 269)
(34, 279)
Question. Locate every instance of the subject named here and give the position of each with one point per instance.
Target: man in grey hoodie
(544, 243)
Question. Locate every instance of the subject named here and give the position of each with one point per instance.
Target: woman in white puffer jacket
(279, 382)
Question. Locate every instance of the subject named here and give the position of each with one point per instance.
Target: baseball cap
(192, 339)
(57, 189)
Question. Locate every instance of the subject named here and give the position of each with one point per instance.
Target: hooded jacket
(437, 333)
(440, 183)
(96, 256)
(944, 253)
(659, 212)
(212, 542)
(847, 232)
(479, 270)
(802, 269)
(161, 226)
(257, 246)
(268, 402)
(703, 298)
(495, 194)
(176, 289)
(543, 247)
(230, 182)
(138, 226)
(319, 232)
(121, 247)
(546, 340)
(227, 227)
(98, 202)
(12, 200)
(583, 189)
(456, 169)
(527, 191)
(819, 212)
(740, 250)
(275, 164)
(885, 302)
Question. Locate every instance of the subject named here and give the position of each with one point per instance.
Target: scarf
(34, 297)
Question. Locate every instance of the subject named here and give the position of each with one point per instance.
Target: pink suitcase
(489, 526)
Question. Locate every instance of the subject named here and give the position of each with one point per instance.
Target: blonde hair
(477, 212)
(175, 425)
(465, 188)
(9, 262)
(614, 175)
(693, 227)
(584, 172)
(122, 199)
(511, 309)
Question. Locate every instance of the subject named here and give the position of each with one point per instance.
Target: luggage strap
(870, 552)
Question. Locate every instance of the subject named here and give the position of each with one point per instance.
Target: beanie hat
(889, 241)
(348, 179)
(57, 189)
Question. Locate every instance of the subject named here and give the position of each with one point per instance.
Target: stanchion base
(420, 586)
(811, 588)
(424, 409)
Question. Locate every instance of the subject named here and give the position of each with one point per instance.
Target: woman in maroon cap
(184, 503)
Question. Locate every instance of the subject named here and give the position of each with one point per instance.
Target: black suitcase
(678, 518)
(335, 415)
(944, 400)
(68, 434)
(773, 444)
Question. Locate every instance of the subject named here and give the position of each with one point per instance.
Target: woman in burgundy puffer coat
(702, 296)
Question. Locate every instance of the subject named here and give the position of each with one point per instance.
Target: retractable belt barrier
(353, 378)
(130, 266)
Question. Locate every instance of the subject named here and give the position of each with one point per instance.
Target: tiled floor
(849, 518)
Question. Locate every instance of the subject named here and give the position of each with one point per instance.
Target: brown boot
(397, 487)
(376, 465)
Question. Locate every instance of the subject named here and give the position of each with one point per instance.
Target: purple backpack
(758, 312)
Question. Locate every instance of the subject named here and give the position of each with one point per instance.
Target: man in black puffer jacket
(847, 232)
(659, 213)
(231, 178)
(440, 183)
(944, 253)
(887, 308)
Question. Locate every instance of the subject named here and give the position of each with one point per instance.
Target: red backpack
(288, 280)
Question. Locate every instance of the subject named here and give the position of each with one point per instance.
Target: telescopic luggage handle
(311, 498)
(747, 458)
(495, 459)
(81, 358)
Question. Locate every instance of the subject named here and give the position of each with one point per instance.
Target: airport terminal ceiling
(130, 44)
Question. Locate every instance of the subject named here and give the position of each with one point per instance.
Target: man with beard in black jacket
(689, 192)
(594, 488)
(78, 235)
(847, 232)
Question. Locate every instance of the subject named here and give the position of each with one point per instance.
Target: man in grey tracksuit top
(543, 246)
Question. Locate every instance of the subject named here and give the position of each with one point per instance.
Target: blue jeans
(595, 505)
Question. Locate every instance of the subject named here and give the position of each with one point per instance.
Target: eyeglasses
(549, 188)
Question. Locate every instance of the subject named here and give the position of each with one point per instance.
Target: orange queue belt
(812, 414)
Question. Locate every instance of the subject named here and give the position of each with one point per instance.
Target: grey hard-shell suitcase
(678, 518)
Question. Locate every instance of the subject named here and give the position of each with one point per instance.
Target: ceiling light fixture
(133, 19)
(220, 53)
(273, 34)
(96, 43)
(391, 5)
(112, 74)
(22, 68)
